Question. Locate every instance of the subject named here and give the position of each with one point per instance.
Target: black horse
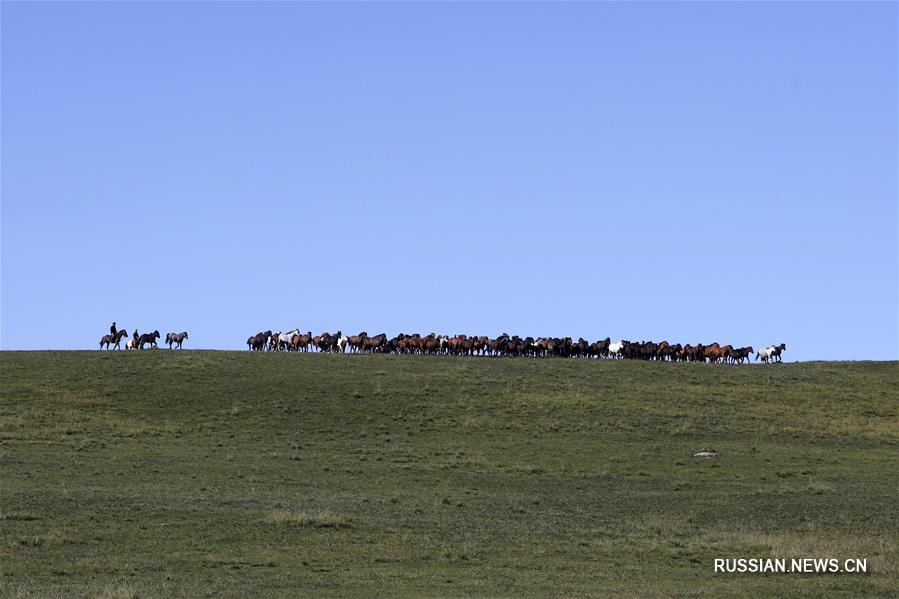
(258, 341)
(148, 338)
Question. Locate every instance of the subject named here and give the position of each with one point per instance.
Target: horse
(148, 338)
(326, 341)
(494, 346)
(738, 355)
(331, 343)
(175, 338)
(282, 341)
(725, 352)
(318, 340)
(114, 340)
(601, 348)
(712, 352)
(770, 352)
(258, 341)
(298, 341)
(616, 348)
(271, 341)
(665, 350)
(342, 341)
(357, 342)
(776, 350)
(376, 343)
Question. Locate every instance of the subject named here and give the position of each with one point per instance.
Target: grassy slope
(195, 472)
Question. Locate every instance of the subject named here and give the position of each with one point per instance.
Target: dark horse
(258, 341)
(148, 338)
(176, 338)
(113, 340)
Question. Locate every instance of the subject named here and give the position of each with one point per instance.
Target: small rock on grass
(706, 454)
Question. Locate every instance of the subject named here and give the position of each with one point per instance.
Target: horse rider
(112, 329)
(136, 337)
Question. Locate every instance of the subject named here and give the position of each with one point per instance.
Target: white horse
(615, 348)
(772, 352)
(283, 339)
(341, 342)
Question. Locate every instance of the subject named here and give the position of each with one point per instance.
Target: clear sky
(693, 172)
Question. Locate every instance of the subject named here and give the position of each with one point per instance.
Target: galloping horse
(332, 343)
(376, 343)
(357, 342)
(148, 338)
(282, 341)
(743, 353)
(176, 338)
(342, 341)
(776, 349)
(300, 342)
(771, 352)
(115, 340)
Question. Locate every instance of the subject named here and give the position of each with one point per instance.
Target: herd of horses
(509, 345)
(137, 341)
(464, 345)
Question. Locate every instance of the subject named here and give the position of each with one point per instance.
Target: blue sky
(680, 171)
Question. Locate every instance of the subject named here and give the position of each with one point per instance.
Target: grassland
(202, 473)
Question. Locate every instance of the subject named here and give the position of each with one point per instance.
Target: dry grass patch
(312, 519)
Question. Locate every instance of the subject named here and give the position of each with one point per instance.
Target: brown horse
(725, 352)
(430, 344)
(301, 342)
(357, 342)
(480, 345)
(317, 341)
(712, 352)
(376, 343)
(113, 340)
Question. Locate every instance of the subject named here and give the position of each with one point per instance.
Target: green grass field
(203, 473)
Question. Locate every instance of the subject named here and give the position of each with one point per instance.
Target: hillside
(202, 473)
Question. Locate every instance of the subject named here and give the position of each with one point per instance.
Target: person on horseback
(112, 329)
(134, 342)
